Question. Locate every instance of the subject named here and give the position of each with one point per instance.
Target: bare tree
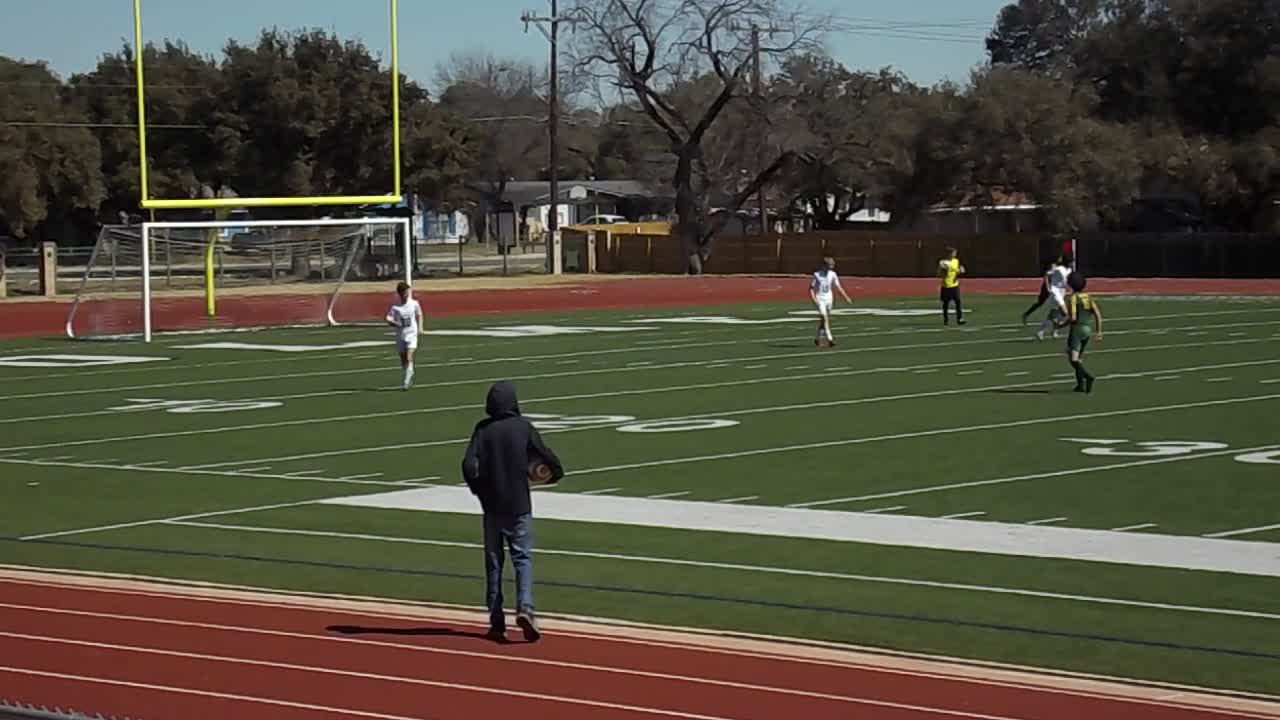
(502, 104)
(650, 49)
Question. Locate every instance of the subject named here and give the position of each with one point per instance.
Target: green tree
(50, 164)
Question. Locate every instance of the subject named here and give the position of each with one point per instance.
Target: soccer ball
(539, 473)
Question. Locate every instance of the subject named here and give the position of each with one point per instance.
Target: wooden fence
(856, 253)
(915, 254)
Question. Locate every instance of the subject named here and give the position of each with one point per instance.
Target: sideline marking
(958, 516)
(1139, 526)
(139, 523)
(1010, 539)
(765, 569)
(1046, 521)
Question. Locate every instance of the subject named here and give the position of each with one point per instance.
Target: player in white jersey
(1056, 281)
(406, 317)
(822, 291)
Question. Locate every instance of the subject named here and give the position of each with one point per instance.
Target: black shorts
(950, 294)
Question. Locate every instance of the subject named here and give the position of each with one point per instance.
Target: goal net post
(229, 275)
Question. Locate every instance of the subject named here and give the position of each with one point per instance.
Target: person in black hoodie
(496, 468)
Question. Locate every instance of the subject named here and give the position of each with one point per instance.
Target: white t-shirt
(407, 317)
(1058, 275)
(823, 284)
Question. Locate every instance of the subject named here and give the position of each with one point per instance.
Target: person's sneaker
(496, 634)
(961, 322)
(528, 625)
(1040, 336)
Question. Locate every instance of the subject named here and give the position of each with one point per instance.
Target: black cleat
(1088, 384)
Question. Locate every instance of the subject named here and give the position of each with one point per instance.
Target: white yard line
(1243, 531)
(682, 493)
(1270, 382)
(308, 477)
(257, 470)
(970, 372)
(365, 476)
(522, 359)
(1167, 378)
(1139, 526)
(619, 393)
(602, 491)
(918, 434)
(763, 569)
(959, 516)
(140, 523)
(1046, 521)
(732, 413)
(1019, 373)
(893, 508)
(1219, 380)
(1035, 476)
(746, 498)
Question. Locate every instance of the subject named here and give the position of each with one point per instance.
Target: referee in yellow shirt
(950, 270)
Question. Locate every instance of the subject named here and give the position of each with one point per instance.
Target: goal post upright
(146, 281)
(147, 202)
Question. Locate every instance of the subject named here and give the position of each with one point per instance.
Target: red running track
(160, 653)
(122, 314)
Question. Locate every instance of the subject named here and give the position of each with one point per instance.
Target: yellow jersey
(950, 271)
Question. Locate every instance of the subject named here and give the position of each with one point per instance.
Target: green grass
(903, 414)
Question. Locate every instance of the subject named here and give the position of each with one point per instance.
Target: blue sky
(929, 40)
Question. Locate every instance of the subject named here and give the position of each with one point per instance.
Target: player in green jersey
(1084, 316)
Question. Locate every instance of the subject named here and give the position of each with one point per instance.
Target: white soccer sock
(408, 375)
(830, 336)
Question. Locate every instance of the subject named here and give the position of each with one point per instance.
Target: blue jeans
(517, 533)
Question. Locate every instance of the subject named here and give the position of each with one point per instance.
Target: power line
(131, 126)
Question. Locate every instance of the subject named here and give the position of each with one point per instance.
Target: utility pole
(763, 120)
(555, 259)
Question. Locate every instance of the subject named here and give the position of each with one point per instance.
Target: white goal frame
(147, 227)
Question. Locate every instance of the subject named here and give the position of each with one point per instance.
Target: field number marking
(196, 406)
(626, 423)
(1107, 447)
(75, 361)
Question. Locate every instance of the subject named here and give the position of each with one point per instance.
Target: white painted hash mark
(739, 499)
(1139, 526)
(959, 516)
(602, 491)
(662, 496)
(894, 508)
(1045, 521)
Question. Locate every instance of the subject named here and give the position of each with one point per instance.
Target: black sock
(959, 311)
(1080, 373)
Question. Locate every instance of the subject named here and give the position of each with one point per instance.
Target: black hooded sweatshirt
(496, 466)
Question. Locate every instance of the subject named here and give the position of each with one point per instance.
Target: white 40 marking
(196, 406)
(1114, 447)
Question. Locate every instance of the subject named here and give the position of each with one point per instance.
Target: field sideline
(917, 488)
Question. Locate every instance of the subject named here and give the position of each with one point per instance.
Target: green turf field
(901, 462)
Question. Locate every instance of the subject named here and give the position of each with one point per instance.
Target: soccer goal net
(228, 275)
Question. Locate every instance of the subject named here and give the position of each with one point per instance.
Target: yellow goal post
(149, 203)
